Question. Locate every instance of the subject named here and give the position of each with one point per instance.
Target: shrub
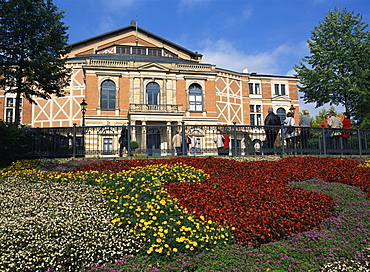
(15, 142)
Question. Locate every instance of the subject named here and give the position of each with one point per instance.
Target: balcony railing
(145, 108)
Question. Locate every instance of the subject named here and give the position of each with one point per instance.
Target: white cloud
(223, 54)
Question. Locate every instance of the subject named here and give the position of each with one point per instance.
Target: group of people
(293, 138)
(333, 137)
(222, 143)
(272, 130)
(190, 144)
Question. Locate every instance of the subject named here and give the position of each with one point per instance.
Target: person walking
(335, 134)
(176, 142)
(346, 134)
(289, 132)
(271, 132)
(305, 122)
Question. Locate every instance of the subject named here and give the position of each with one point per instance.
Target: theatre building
(132, 75)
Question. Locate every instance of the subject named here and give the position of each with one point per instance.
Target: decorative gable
(153, 67)
(134, 37)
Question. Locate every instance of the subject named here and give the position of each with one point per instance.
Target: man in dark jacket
(271, 132)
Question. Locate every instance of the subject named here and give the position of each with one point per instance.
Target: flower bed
(60, 225)
(178, 208)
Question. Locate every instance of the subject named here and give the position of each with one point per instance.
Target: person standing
(325, 124)
(289, 131)
(219, 141)
(123, 140)
(193, 144)
(176, 142)
(335, 134)
(271, 132)
(346, 134)
(305, 123)
(257, 147)
(226, 148)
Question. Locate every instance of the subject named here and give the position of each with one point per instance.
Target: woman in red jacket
(346, 124)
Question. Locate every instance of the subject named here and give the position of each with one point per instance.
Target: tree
(33, 43)
(338, 70)
(316, 121)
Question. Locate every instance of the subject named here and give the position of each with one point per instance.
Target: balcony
(145, 108)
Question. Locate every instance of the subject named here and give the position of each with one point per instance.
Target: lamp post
(83, 105)
(292, 109)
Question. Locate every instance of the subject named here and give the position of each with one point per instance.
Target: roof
(139, 58)
(131, 28)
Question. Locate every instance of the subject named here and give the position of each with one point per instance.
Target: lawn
(186, 214)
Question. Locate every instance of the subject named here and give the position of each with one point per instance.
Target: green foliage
(321, 116)
(134, 145)
(338, 68)
(15, 142)
(33, 43)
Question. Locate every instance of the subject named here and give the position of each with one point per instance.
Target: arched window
(152, 93)
(282, 114)
(195, 97)
(108, 95)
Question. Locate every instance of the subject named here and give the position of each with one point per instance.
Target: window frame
(107, 145)
(153, 93)
(9, 111)
(255, 115)
(195, 97)
(254, 88)
(108, 95)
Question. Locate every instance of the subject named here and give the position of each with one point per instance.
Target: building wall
(226, 97)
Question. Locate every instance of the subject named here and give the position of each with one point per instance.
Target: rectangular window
(252, 117)
(138, 51)
(282, 87)
(254, 88)
(10, 102)
(259, 119)
(250, 88)
(107, 145)
(195, 102)
(155, 52)
(255, 115)
(9, 115)
(257, 88)
(10, 109)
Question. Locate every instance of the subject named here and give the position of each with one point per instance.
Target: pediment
(283, 98)
(153, 67)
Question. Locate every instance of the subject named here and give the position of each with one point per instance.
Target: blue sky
(265, 36)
